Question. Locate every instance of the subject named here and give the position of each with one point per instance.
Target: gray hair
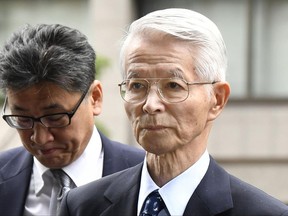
(47, 53)
(198, 31)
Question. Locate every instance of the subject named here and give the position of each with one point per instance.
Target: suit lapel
(213, 194)
(126, 205)
(14, 183)
(124, 200)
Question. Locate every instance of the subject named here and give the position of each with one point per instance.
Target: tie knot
(62, 178)
(153, 204)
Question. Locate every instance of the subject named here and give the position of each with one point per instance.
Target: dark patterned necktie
(65, 182)
(153, 205)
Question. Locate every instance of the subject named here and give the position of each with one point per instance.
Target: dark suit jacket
(16, 167)
(217, 194)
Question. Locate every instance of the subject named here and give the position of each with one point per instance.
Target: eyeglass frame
(158, 91)
(69, 114)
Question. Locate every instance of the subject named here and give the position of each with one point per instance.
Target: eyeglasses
(56, 120)
(170, 90)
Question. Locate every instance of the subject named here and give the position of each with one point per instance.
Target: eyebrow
(175, 72)
(132, 74)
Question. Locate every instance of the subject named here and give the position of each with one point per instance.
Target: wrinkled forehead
(153, 56)
(137, 39)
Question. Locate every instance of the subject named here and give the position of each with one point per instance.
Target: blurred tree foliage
(1, 98)
(102, 62)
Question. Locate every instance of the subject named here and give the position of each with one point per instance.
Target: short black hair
(47, 53)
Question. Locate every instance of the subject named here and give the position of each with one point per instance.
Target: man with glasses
(174, 64)
(47, 74)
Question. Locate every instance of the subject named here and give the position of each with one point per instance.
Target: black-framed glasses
(170, 90)
(56, 120)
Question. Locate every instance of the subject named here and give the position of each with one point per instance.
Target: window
(256, 35)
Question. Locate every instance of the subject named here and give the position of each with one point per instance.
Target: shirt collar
(180, 188)
(91, 159)
(38, 174)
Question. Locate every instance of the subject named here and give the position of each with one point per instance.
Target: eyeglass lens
(170, 89)
(23, 122)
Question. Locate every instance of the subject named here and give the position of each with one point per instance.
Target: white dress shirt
(89, 164)
(177, 192)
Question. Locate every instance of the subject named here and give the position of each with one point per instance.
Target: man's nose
(41, 134)
(153, 103)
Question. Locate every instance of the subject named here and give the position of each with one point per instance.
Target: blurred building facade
(250, 137)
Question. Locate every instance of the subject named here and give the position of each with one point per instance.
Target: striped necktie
(65, 183)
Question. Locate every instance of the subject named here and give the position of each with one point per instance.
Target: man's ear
(96, 97)
(220, 95)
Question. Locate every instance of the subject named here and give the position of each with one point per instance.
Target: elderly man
(174, 63)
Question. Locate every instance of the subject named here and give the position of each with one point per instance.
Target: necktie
(153, 205)
(65, 183)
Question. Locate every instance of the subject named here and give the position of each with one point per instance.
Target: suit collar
(213, 194)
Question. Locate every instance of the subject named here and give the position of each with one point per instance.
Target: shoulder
(13, 154)
(98, 195)
(236, 197)
(98, 187)
(15, 162)
(247, 199)
(124, 151)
